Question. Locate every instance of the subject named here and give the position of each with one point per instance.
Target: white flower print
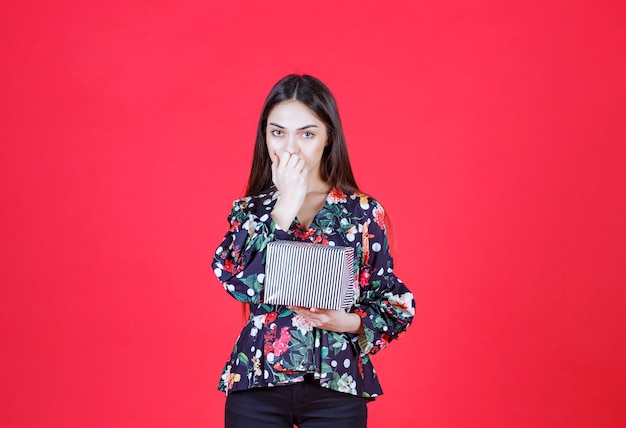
(346, 384)
(402, 302)
(258, 322)
(301, 324)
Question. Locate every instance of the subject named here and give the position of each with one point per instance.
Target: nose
(292, 144)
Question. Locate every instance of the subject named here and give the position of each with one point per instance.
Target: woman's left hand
(331, 320)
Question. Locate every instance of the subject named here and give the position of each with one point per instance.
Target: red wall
(493, 132)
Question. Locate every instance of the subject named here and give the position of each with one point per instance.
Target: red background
(493, 132)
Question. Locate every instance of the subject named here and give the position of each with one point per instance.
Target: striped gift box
(309, 275)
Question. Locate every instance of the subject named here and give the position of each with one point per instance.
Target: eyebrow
(299, 129)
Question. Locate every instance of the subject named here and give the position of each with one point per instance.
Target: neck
(317, 185)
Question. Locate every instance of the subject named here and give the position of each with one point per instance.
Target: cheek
(271, 144)
(313, 154)
(320, 147)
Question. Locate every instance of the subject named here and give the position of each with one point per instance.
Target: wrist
(354, 324)
(283, 215)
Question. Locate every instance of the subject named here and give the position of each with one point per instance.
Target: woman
(293, 365)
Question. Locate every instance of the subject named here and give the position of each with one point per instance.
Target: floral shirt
(278, 346)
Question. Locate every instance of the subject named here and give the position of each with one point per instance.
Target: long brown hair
(335, 164)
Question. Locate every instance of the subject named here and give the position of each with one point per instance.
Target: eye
(277, 132)
(307, 134)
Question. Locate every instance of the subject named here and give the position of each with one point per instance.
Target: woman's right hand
(289, 174)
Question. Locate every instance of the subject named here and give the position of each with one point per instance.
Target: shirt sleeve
(386, 305)
(239, 261)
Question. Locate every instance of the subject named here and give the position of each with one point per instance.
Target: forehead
(293, 112)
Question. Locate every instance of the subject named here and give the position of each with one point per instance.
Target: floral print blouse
(278, 346)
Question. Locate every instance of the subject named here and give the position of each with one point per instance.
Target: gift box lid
(309, 275)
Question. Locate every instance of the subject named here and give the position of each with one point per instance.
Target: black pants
(305, 404)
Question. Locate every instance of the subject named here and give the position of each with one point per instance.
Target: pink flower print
(281, 344)
(379, 216)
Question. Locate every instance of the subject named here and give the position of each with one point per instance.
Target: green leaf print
(243, 359)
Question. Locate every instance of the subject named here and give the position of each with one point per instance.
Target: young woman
(293, 365)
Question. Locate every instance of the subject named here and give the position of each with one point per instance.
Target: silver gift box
(309, 275)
